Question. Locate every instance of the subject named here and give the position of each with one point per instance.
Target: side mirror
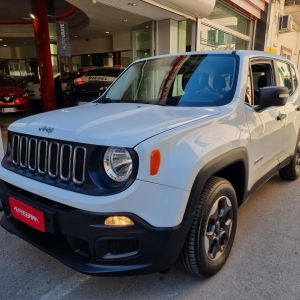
(272, 96)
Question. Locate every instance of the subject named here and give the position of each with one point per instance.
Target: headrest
(262, 81)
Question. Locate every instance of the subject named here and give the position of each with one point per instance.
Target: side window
(261, 76)
(285, 76)
(294, 76)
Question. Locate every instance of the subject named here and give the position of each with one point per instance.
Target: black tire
(215, 218)
(292, 170)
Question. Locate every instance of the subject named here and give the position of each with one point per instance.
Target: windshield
(6, 81)
(183, 80)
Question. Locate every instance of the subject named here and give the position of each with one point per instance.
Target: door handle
(281, 117)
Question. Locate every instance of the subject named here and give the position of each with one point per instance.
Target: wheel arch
(232, 166)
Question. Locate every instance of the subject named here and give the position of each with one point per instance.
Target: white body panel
(159, 205)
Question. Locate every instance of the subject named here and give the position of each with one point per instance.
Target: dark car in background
(12, 97)
(90, 86)
(66, 76)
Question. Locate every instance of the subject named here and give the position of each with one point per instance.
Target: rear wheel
(212, 232)
(292, 170)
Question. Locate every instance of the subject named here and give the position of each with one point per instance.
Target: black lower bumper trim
(80, 240)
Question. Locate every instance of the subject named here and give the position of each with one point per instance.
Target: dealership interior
(49, 37)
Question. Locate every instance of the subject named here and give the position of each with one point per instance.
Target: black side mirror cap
(272, 96)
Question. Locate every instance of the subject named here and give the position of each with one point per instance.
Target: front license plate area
(27, 214)
(8, 109)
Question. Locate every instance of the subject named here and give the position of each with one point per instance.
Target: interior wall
(121, 42)
(6, 52)
(90, 46)
(27, 52)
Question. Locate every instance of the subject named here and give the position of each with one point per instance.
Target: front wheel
(212, 232)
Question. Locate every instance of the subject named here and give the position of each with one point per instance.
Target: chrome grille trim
(32, 167)
(45, 157)
(50, 162)
(42, 165)
(63, 161)
(23, 151)
(15, 151)
(78, 181)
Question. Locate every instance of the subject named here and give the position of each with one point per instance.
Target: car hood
(11, 90)
(111, 124)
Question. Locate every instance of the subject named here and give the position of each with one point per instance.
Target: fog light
(118, 221)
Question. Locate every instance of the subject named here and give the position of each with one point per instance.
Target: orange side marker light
(154, 162)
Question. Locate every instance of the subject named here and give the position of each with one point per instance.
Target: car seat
(219, 83)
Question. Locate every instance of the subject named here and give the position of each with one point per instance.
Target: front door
(266, 129)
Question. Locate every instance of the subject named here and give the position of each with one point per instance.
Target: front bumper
(80, 240)
(20, 104)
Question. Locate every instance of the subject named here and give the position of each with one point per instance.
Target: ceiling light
(125, 20)
(106, 31)
(94, 1)
(1, 40)
(4, 45)
(32, 16)
(75, 35)
(132, 4)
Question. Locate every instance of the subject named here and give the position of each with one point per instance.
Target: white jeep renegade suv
(155, 169)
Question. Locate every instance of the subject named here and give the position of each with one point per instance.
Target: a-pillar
(42, 40)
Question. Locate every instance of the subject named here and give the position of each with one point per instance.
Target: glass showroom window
(213, 39)
(227, 17)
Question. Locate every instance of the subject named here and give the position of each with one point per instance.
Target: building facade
(161, 27)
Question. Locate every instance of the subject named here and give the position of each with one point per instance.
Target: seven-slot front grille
(61, 161)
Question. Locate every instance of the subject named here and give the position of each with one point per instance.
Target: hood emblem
(6, 98)
(47, 129)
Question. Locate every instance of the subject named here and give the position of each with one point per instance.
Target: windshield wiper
(107, 100)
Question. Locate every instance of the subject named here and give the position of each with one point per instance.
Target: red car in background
(12, 97)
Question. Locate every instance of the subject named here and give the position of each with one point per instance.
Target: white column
(167, 36)
(196, 30)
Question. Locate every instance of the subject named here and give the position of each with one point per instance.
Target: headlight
(117, 163)
(25, 95)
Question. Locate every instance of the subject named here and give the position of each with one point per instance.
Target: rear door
(286, 76)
